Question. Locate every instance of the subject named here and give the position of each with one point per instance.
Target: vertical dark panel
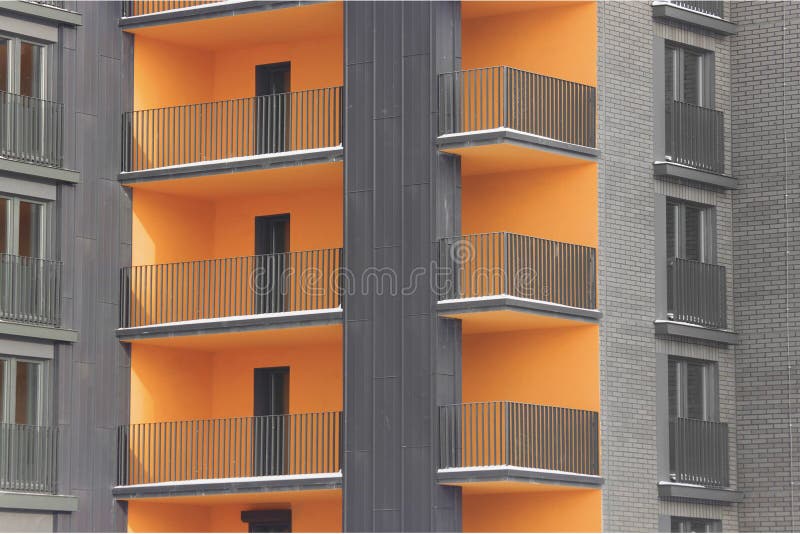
(94, 239)
(400, 359)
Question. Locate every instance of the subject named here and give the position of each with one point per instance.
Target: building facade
(398, 266)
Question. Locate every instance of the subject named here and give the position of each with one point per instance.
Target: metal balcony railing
(698, 452)
(695, 136)
(31, 130)
(133, 8)
(696, 293)
(706, 7)
(30, 290)
(61, 4)
(227, 287)
(485, 434)
(28, 458)
(270, 124)
(497, 97)
(273, 445)
(501, 263)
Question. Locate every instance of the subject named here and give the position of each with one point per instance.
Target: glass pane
(674, 389)
(694, 233)
(695, 391)
(27, 397)
(5, 50)
(30, 229)
(30, 77)
(5, 230)
(669, 74)
(672, 230)
(692, 77)
(2, 389)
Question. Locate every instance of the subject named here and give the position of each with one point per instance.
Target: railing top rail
(44, 100)
(512, 234)
(23, 425)
(32, 258)
(187, 262)
(231, 100)
(694, 419)
(236, 418)
(497, 67)
(697, 262)
(696, 106)
(516, 403)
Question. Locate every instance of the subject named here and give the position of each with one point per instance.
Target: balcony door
(23, 274)
(272, 108)
(270, 427)
(271, 263)
(690, 231)
(22, 112)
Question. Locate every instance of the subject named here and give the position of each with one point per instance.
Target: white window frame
(15, 65)
(9, 389)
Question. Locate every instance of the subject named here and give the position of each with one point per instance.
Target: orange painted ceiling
(248, 500)
(509, 321)
(271, 26)
(506, 157)
(472, 10)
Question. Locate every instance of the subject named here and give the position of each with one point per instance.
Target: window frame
(710, 387)
(706, 82)
(15, 63)
(9, 389)
(12, 225)
(708, 223)
(711, 525)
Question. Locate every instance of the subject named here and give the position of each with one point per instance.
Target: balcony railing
(31, 130)
(273, 445)
(227, 287)
(486, 434)
(133, 8)
(695, 136)
(696, 293)
(61, 4)
(706, 7)
(483, 265)
(504, 97)
(698, 452)
(28, 458)
(270, 124)
(30, 290)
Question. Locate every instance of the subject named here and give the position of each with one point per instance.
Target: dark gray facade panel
(400, 196)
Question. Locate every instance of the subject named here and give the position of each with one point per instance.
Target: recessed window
(693, 524)
(21, 389)
(687, 75)
(22, 67)
(22, 227)
(689, 231)
(693, 389)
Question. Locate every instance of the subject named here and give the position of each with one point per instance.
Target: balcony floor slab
(243, 485)
(664, 327)
(37, 332)
(38, 502)
(667, 169)
(689, 492)
(681, 15)
(41, 172)
(503, 478)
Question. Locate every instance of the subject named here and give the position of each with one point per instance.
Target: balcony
(698, 452)
(248, 292)
(134, 8)
(696, 293)
(695, 137)
(520, 119)
(515, 281)
(31, 130)
(28, 458)
(31, 290)
(516, 442)
(241, 454)
(247, 133)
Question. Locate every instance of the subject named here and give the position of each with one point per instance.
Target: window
(21, 391)
(22, 227)
(689, 231)
(22, 67)
(693, 524)
(688, 75)
(693, 390)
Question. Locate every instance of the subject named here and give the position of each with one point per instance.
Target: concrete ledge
(516, 137)
(30, 331)
(321, 481)
(233, 165)
(38, 502)
(510, 303)
(665, 327)
(39, 171)
(240, 323)
(505, 473)
(671, 491)
(41, 12)
(664, 169)
(219, 9)
(665, 10)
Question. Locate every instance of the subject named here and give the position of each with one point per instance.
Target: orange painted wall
(557, 511)
(556, 367)
(146, 516)
(559, 40)
(556, 203)
(311, 515)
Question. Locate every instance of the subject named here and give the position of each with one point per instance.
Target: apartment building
(384, 266)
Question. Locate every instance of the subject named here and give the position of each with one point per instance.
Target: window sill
(670, 491)
(667, 169)
(665, 10)
(53, 174)
(41, 333)
(38, 502)
(664, 327)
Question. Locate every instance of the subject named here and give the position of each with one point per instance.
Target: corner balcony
(486, 444)
(229, 136)
(273, 291)
(28, 458)
(276, 453)
(502, 119)
(502, 281)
